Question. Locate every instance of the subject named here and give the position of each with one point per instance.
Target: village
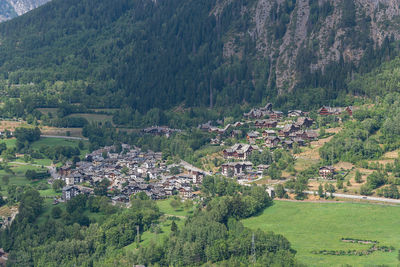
(267, 129)
(127, 170)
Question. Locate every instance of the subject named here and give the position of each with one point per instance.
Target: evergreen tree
(174, 227)
(280, 191)
(320, 191)
(358, 177)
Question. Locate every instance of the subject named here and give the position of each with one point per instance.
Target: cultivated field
(12, 124)
(318, 226)
(75, 132)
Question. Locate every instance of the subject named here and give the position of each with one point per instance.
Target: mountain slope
(307, 35)
(12, 8)
(145, 54)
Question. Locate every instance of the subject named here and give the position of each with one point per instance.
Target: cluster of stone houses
(257, 113)
(297, 113)
(243, 169)
(268, 123)
(239, 151)
(326, 110)
(273, 135)
(218, 140)
(285, 136)
(129, 172)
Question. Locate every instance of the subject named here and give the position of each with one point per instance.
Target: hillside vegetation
(146, 54)
(12, 8)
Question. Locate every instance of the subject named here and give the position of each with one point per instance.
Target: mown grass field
(317, 226)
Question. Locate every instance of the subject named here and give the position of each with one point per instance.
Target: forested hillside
(143, 54)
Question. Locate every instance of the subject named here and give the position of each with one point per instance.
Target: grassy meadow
(52, 141)
(19, 166)
(165, 223)
(91, 117)
(318, 226)
(18, 178)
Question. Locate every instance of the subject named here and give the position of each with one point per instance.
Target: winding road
(387, 200)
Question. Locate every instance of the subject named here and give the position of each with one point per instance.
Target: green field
(9, 142)
(19, 166)
(166, 208)
(19, 179)
(317, 226)
(91, 117)
(44, 162)
(49, 193)
(165, 223)
(50, 141)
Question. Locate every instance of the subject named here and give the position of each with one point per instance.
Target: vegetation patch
(360, 241)
(349, 252)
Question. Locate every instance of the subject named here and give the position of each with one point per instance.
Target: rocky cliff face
(13, 8)
(307, 35)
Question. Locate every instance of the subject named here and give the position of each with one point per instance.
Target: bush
(365, 190)
(56, 213)
(376, 179)
(58, 185)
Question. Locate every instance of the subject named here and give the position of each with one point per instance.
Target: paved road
(387, 200)
(64, 137)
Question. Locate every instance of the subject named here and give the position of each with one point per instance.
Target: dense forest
(140, 55)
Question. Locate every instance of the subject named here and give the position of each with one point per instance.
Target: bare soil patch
(343, 166)
(11, 125)
(391, 155)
